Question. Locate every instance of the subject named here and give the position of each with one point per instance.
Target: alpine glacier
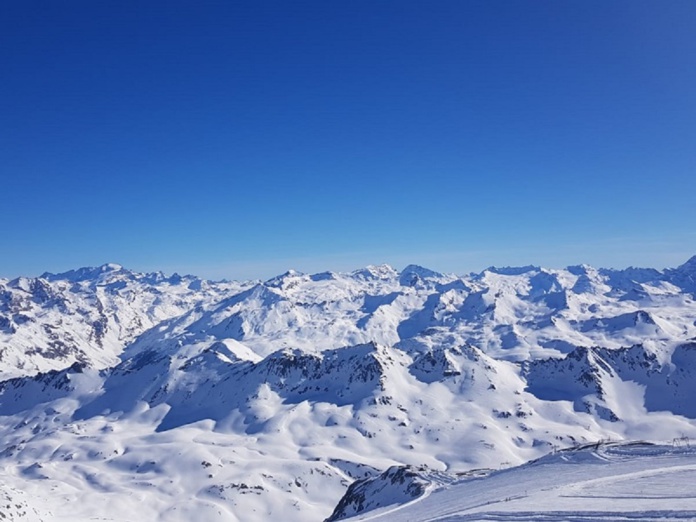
(129, 396)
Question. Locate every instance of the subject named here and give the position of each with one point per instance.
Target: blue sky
(240, 139)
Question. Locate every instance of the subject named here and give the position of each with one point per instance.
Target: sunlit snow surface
(608, 482)
(173, 398)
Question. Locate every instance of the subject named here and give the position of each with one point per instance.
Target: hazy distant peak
(85, 273)
(420, 271)
(579, 268)
(512, 270)
(383, 271)
(689, 266)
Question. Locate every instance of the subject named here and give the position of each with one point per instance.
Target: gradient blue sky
(240, 139)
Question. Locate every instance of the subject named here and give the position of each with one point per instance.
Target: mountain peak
(382, 271)
(111, 267)
(420, 271)
(410, 275)
(512, 270)
(286, 280)
(85, 273)
(689, 266)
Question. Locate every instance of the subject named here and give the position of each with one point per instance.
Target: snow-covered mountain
(183, 398)
(89, 315)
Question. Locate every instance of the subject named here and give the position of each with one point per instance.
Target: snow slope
(631, 481)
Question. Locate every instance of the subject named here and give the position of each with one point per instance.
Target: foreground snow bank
(614, 481)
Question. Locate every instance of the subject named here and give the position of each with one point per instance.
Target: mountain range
(129, 396)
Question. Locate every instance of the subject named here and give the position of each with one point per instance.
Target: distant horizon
(399, 267)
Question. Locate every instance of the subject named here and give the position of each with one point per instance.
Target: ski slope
(635, 481)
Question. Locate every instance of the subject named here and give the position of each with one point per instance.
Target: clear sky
(240, 139)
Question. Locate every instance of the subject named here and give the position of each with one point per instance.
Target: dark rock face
(396, 485)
